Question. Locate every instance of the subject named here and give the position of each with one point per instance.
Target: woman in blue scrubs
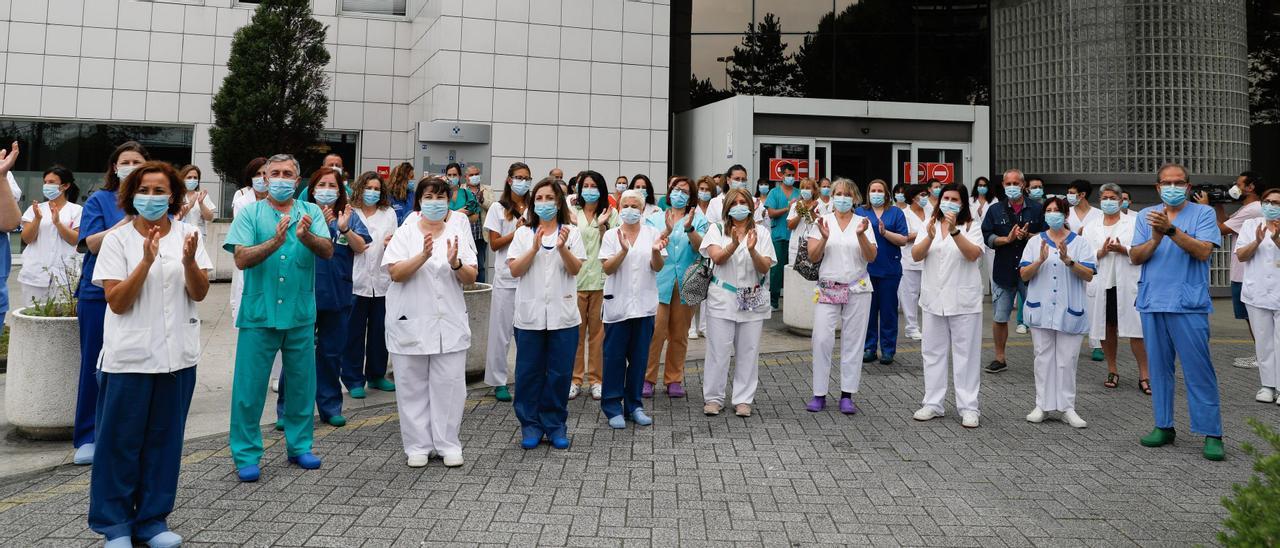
(101, 213)
(400, 190)
(889, 224)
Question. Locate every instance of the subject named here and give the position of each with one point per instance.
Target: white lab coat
(1114, 270)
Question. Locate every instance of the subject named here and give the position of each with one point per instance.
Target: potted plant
(477, 296)
(44, 363)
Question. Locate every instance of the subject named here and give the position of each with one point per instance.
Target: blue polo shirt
(100, 213)
(888, 263)
(333, 275)
(999, 222)
(1172, 280)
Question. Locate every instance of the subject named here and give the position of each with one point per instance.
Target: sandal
(1113, 380)
(1145, 386)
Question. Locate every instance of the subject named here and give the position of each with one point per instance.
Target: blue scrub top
(333, 275)
(1172, 280)
(402, 207)
(888, 263)
(680, 254)
(100, 213)
(778, 200)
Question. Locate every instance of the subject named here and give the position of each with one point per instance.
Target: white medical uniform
(49, 262)
(631, 291)
(1057, 311)
(729, 328)
(370, 278)
(803, 228)
(1261, 296)
(194, 217)
(428, 337)
(842, 262)
(1114, 271)
(952, 305)
(912, 270)
(1077, 225)
(502, 304)
(546, 296)
(242, 198)
(979, 212)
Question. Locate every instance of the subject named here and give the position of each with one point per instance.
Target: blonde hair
(847, 185)
(732, 196)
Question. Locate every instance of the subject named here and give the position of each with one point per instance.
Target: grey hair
(632, 193)
(1021, 176)
(848, 185)
(1172, 165)
(1110, 187)
(286, 158)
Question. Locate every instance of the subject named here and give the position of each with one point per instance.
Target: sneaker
(641, 418)
(275, 384)
(1097, 355)
(382, 384)
(996, 366)
(1265, 395)
(357, 392)
(818, 403)
(915, 336)
(1248, 362)
(969, 419)
(646, 391)
(165, 539)
(1213, 449)
(1070, 417)
(742, 410)
(1021, 329)
(574, 391)
(1035, 416)
(925, 413)
(711, 409)
(452, 461)
(693, 332)
(675, 390)
(502, 393)
(848, 407)
(306, 461)
(869, 356)
(84, 455)
(617, 422)
(1158, 437)
(886, 359)
(248, 474)
(418, 460)
(337, 421)
(596, 391)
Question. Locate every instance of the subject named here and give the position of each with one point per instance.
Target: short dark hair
(1034, 178)
(1081, 185)
(318, 174)
(1063, 208)
(129, 187)
(68, 178)
(436, 185)
(786, 166)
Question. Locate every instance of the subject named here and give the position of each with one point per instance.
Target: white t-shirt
(194, 217)
(161, 331)
(632, 291)
(369, 277)
(50, 259)
(950, 284)
(496, 220)
(1077, 224)
(241, 198)
(547, 294)
(739, 272)
(915, 225)
(427, 313)
(842, 259)
(1262, 273)
(1236, 222)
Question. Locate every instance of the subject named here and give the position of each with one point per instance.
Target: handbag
(806, 268)
(696, 281)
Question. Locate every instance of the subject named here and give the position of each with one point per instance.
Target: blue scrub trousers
(366, 355)
(882, 322)
(331, 340)
(141, 419)
(91, 314)
(544, 369)
(256, 349)
(626, 358)
(1185, 336)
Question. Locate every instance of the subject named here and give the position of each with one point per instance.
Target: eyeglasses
(1175, 182)
(1272, 203)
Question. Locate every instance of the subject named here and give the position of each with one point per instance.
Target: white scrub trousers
(34, 293)
(744, 339)
(960, 338)
(502, 322)
(431, 391)
(1056, 356)
(852, 319)
(1266, 335)
(909, 299)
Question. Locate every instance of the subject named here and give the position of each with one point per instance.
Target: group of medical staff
(336, 277)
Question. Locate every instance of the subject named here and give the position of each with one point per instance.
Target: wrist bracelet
(459, 267)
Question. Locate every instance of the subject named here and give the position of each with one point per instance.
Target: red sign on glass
(924, 172)
(802, 168)
(384, 172)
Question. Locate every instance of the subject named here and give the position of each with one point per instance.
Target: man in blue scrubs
(10, 216)
(1173, 241)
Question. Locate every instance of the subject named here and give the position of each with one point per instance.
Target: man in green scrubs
(275, 242)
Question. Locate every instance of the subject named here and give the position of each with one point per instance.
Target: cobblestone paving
(783, 476)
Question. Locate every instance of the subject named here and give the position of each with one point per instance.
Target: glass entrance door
(946, 162)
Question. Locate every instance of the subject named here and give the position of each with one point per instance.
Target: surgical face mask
(281, 190)
(842, 203)
(434, 210)
(735, 183)
(1055, 219)
(704, 196)
(763, 189)
(739, 212)
(922, 201)
(546, 210)
(326, 196)
(124, 171)
(620, 187)
(192, 184)
(474, 180)
(899, 197)
(1235, 192)
(1073, 199)
(259, 184)
(826, 191)
(520, 187)
(982, 191)
(337, 169)
(51, 191)
(590, 195)
(806, 194)
(151, 207)
(1037, 193)
(371, 197)
(877, 199)
(1271, 212)
(453, 181)
(678, 198)
(936, 192)
(413, 185)
(630, 215)
(789, 180)
(1110, 207)
(1173, 195)
(949, 207)
(1013, 192)
(645, 191)
(1124, 204)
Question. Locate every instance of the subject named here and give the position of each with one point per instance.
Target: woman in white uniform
(978, 206)
(1080, 215)
(1114, 288)
(364, 361)
(197, 208)
(912, 270)
(950, 246)
(50, 230)
(842, 247)
(256, 189)
(1056, 271)
(504, 217)
(741, 253)
(804, 212)
(735, 177)
(429, 260)
(1258, 247)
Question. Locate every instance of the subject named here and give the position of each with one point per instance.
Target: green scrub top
(279, 292)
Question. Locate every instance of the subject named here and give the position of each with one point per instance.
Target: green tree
(1254, 518)
(703, 92)
(761, 65)
(273, 98)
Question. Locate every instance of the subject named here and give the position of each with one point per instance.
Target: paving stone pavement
(783, 476)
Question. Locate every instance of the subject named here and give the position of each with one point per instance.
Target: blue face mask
(923, 201)
(51, 191)
(842, 203)
(1055, 219)
(590, 195)
(826, 191)
(192, 184)
(739, 212)
(877, 199)
(806, 194)
(704, 196)
(678, 198)
(1073, 199)
(546, 210)
(474, 180)
(453, 181)
(629, 215)
(435, 210)
(1037, 193)
(1013, 192)
(789, 180)
(936, 192)
(900, 197)
(413, 185)
(1110, 207)
(982, 191)
(1124, 204)
(152, 207)
(733, 183)
(1173, 195)
(281, 190)
(371, 197)
(949, 207)
(326, 196)
(259, 184)
(1271, 212)
(520, 187)
(644, 190)
(763, 189)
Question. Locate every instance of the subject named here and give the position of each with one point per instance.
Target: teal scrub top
(279, 292)
(680, 255)
(1172, 280)
(779, 200)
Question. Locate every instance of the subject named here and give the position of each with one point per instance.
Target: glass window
(374, 7)
(731, 16)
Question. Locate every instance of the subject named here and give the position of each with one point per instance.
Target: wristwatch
(1071, 264)
(954, 232)
(1171, 231)
(459, 267)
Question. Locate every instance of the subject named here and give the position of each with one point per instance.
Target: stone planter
(223, 263)
(43, 377)
(477, 298)
(797, 302)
